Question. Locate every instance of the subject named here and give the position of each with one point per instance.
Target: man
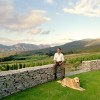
(59, 61)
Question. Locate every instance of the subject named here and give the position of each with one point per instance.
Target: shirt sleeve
(54, 56)
(63, 57)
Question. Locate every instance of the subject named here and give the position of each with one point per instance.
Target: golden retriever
(72, 83)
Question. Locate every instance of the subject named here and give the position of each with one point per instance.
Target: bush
(3, 68)
(7, 67)
(24, 65)
(78, 60)
(15, 66)
(20, 66)
(12, 67)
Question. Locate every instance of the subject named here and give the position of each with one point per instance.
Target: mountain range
(85, 45)
(21, 47)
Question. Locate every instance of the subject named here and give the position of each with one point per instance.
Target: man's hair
(59, 48)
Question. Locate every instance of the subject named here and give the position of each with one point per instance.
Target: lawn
(54, 91)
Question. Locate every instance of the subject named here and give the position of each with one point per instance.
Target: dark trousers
(61, 64)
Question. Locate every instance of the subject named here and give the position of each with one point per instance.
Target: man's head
(58, 50)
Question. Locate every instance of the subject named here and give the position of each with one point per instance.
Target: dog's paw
(59, 81)
(64, 85)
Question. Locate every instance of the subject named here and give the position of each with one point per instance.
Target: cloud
(30, 20)
(35, 31)
(6, 41)
(10, 20)
(55, 41)
(6, 10)
(67, 39)
(49, 1)
(38, 31)
(45, 32)
(89, 8)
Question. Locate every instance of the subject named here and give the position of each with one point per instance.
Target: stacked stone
(59, 72)
(18, 80)
(91, 65)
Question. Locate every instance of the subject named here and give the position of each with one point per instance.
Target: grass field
(54, 91)
(72, 61)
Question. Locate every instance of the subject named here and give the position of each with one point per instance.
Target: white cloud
(49, 1)
(10, 20)
(6, 41)
(38, 31)
(33, 40)
(85, 7)
(6, 10)
(34, 31)
(27, 21)
(45, 32)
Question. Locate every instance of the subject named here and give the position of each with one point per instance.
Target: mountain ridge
(77, 45)
(21, 47)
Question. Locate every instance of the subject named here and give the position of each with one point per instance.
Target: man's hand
(54, 61)
(60, 63)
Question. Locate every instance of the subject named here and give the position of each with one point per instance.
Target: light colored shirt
(58, 57)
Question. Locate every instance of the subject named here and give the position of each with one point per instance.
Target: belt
(59, 61)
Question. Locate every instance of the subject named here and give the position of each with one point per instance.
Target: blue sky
(51, 22)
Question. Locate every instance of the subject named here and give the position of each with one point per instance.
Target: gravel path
(75, 72)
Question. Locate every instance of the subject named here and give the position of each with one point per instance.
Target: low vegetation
(76, 61)
(72, 61)
(26, 61)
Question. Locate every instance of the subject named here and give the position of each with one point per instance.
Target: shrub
(15, 66)
(20, 66)
(24, 65)
(7, 67)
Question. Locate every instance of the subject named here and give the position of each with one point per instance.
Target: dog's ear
(76, 78)
(74, 82)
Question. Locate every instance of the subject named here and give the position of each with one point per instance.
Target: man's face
(58, 50)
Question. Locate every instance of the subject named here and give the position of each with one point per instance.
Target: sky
(48, 22)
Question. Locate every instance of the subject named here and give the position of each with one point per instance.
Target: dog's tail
(59, 81)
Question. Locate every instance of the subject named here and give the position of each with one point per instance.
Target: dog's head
(77, 80)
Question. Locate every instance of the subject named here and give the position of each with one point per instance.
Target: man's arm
(54, 58)
(63, 58)
(54, 61)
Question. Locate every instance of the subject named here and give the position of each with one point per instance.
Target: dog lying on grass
(72, 83)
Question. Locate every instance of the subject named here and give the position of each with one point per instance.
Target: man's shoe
(55, 76)
(63, 77)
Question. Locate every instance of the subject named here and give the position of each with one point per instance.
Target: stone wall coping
(91, 60)
(4, 73)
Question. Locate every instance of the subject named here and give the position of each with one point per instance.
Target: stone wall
(91, 65)
(17, 80)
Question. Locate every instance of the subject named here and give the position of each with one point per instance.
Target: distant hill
(82, 45)
(21, 47)
(85, 45)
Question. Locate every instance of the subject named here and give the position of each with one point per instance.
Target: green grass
(72, 61)
(54, 91)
